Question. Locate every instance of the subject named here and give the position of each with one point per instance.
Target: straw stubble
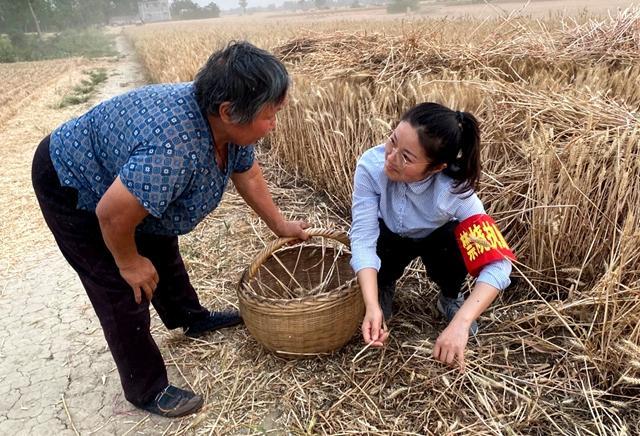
(558, 353)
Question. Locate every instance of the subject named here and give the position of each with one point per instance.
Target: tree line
(26, 16)
(22, 16)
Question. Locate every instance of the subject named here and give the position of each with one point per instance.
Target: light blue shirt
(411, 210)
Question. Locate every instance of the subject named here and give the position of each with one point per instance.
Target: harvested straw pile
(561, 172)
(513, 51)
(616, 39)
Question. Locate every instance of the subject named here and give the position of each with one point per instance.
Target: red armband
(481, 243)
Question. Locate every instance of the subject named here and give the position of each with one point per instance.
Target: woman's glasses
(400, 155)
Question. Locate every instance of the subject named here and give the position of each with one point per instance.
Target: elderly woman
(119, 183)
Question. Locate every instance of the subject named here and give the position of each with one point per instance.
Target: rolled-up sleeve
(364, 227)
(496, 274)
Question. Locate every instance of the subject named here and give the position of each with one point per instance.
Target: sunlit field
(558, 99)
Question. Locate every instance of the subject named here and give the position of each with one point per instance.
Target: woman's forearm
(119, 213)
(253, 188)
(480, 299)
(119, 238)
(368, 280)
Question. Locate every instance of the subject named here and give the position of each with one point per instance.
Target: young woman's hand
(451, 343)
(373, 328)
(141, 275)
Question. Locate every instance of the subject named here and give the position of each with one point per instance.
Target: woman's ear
(224, 111)
(440, 167)
(434, 170)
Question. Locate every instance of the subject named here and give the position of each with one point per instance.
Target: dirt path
(57, 376)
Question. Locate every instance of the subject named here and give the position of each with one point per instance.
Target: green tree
(187, 10)
(69, 14)
(123, 7)
(243, 4)
(212, 10)
(36, 21)
(181, 9)
(23, 16)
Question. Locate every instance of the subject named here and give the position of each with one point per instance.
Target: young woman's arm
(374, 331)
(364, 236)
(494, 277)
(452, 342)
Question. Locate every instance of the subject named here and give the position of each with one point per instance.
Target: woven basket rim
(323, 297)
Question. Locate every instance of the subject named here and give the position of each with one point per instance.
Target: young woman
(414, 196)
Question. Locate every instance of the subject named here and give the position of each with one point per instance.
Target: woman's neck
(220, 138)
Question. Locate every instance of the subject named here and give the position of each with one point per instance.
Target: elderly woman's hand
(141, 275)
(292, 229)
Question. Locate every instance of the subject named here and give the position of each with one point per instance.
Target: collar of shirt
(422, 185)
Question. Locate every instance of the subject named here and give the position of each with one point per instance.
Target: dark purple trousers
(124, 322)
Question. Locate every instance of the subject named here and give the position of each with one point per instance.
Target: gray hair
(244, 75)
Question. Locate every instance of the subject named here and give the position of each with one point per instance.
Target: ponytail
(451, 138)
(465, 167)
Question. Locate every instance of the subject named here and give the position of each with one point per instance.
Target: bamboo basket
(304, 300)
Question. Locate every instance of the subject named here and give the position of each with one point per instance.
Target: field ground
(534, 9)
(58, 375)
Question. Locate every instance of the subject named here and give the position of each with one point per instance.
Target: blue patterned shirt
(158, 142)
(411, 210)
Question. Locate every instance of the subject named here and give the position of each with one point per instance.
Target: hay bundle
(512, 52)
(616, 39)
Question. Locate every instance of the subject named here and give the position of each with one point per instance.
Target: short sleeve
(244, 159)
(156, 179)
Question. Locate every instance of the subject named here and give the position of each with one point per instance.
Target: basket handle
(276, 244)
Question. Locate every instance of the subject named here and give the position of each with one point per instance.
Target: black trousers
(124, 322)
(439, 253)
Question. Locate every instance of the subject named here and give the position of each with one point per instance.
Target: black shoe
(215, 321)
(385, 298)
(172, 402)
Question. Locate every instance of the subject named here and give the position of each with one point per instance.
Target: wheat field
(558, 103)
